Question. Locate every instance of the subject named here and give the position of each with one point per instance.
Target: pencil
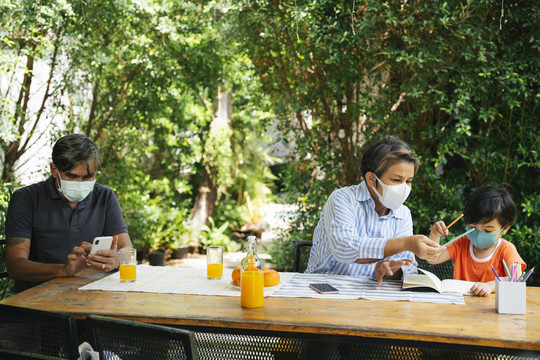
(455, 221)
(518, 270)
(457, 237)
(506, 269)
(495, 272)
(528, 274)
(513, 272)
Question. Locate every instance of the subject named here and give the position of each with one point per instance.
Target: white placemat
(180, 280)
(177, 280)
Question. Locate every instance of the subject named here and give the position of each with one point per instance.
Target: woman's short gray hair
(384, 153)
(71, 150)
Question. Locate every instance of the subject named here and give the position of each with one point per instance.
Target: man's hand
(388, 268)
(423, 247)
(439, 229)
(105, 260)
(76, 261)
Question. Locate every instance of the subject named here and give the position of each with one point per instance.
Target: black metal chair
(241, 344)
(123, 339)
(301, 255)
(35, 334)
(3, 269)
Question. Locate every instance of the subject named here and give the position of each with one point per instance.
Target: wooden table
(476, 324)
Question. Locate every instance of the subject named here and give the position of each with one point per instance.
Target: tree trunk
(207, 195)
(205, 203)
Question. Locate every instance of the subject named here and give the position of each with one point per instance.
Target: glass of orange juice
(214, 262)
(128, 264)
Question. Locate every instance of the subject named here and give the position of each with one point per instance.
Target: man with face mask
(365, 230)
(50, 224)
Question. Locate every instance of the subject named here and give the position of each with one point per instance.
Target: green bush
(215, 235)
(6, 284)
(456, 80)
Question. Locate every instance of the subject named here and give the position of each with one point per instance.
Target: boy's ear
(505, 229)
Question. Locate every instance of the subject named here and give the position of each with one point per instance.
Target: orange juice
(128, 272)
(251, 289)
(214, 271)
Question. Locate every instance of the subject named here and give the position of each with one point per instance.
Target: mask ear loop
(375, 188)
(58, 186)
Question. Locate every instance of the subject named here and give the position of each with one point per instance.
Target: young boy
(490, 211)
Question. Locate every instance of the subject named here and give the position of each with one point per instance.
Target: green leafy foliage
(455, 80)
(214, 235)
(6, 189)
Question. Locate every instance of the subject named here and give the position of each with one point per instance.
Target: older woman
(365, 230)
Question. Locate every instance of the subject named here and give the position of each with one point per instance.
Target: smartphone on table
(324, 288)
(101, 243)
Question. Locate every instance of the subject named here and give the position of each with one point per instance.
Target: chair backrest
(443, 270)
(301, 255)
(3, 269)
(35, 334)
(125, 339)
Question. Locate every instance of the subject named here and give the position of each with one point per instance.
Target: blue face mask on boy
(482, 239)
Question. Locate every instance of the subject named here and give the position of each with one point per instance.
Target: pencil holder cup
(510, 297)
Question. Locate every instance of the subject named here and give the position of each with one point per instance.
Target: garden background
(187, 100)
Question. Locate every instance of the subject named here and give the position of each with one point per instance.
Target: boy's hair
(384, 153)
(487, 203)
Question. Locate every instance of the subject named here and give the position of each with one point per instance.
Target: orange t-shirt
(468, 267)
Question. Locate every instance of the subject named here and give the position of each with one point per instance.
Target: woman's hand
(423, 247)
(388, 268)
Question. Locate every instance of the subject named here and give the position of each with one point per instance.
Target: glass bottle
(252, 278)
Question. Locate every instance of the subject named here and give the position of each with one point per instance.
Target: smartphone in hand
(101, 243)
(324, 288)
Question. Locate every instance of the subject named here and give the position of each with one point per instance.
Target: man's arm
(21, 268)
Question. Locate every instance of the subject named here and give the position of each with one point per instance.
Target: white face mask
(75, 191)
(393, 195)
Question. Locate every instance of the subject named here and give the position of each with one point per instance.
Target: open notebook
(430, 282)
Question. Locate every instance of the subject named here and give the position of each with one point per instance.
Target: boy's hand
(482, 289)
(439, 229)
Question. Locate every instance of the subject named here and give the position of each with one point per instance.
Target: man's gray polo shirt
(39, 213)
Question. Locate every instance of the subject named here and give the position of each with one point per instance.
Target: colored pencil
(457, 237)
(495, 272)
(455, 221)
(506, 269)
(528, 274)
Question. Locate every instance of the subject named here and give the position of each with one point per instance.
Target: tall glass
(128, 264)
(214, 262)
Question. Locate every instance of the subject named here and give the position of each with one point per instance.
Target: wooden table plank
(476, 323)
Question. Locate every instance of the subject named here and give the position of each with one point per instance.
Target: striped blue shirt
(350, 229)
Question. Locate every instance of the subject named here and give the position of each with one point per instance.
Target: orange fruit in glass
(236, 275)
(271, 277)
